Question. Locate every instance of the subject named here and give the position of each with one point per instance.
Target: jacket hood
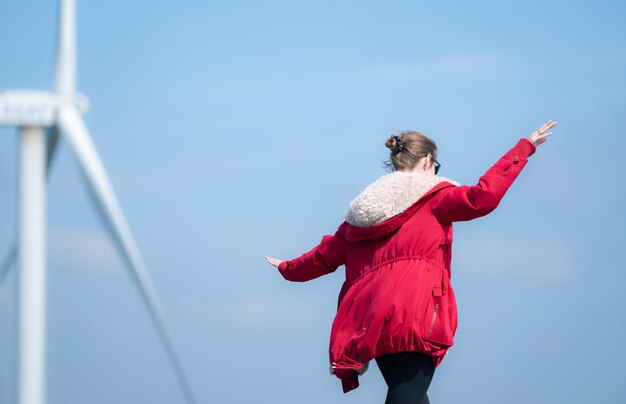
(388, 202)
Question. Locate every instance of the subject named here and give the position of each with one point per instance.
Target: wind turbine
(43, 117)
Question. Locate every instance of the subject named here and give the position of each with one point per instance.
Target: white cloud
(252, 311)
(454, 66)
(458, 66)
(83, 250)
(540, 260)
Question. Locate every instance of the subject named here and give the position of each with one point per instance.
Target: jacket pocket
(436, 325)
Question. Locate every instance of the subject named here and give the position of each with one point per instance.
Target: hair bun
(395, 144)
(391, 143)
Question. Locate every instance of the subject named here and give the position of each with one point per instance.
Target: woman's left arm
(323, 259)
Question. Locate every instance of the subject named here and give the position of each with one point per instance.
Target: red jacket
(397, 294)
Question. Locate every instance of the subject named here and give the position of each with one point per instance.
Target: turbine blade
(73, 129)
(52, 141)
(65, 75)
(8, 262)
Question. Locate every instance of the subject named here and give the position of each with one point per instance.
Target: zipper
(432, 323)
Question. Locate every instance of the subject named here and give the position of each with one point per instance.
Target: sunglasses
(437, 165)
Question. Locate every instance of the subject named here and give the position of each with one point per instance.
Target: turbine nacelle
(36, 108)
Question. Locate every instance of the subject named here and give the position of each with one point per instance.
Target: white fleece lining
(390, 195)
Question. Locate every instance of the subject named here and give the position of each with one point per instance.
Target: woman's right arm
(323, 259)
(467, 202)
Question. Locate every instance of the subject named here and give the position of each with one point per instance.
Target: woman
(397, 305)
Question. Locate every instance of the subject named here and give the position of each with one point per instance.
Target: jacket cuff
(282, 267)
(525, 147)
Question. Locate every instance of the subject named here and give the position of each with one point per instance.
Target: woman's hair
(416, 146)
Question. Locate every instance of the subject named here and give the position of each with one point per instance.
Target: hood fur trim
(390, 195)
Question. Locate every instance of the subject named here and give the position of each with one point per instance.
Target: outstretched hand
(273, 261)
(541, 135)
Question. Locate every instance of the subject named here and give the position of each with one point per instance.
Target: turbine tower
(43, 117)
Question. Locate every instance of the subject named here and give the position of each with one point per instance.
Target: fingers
(273, 261)
(548, 125)
(541, 135)
(543, 138)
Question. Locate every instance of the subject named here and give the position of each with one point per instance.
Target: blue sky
(235, 130)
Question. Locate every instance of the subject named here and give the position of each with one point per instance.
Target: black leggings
(408, 375)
